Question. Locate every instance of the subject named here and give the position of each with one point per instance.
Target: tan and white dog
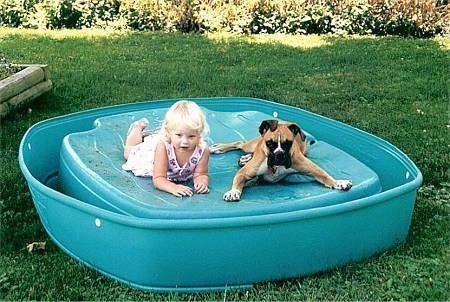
(279, 151)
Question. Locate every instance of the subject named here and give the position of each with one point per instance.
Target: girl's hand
(180, 190)
(201, 188)
(201, 178)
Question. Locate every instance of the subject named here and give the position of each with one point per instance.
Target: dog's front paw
(343, 184)
(216, 148)
(232, 195)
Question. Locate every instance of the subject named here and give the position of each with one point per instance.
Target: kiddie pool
(119, 225)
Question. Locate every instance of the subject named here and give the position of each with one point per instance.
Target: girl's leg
(134, 136)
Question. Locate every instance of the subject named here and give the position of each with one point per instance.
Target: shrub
(96, 13)
(222, 15)
(145, 15)
(418, 18)
(67, 16)
(40, 15)
(12, 12)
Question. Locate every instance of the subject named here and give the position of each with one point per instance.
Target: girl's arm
(160, 180)
(201, 176)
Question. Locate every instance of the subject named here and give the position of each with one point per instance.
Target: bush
(12, 12)
(417, 18)
(145, 15)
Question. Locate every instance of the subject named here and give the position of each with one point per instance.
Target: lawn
(395, 88)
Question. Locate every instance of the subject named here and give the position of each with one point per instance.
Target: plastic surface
(90, 169)
(202, 254)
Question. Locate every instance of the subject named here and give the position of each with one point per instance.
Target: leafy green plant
(7, 68)
(424, 18)
(145, 15)
(12, 13)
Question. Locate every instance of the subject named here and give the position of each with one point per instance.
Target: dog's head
(281, 140)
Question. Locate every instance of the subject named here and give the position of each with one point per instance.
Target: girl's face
(185, 139)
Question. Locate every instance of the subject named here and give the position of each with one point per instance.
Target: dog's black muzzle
(279, 158)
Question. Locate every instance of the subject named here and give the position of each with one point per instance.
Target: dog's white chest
(277, 174)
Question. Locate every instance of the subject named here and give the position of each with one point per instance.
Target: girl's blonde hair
(185, 114)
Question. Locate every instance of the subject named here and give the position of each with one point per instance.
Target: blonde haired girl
(175, 153)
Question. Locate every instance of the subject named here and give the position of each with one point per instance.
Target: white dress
(142, 156)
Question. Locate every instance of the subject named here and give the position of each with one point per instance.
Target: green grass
(395, 88)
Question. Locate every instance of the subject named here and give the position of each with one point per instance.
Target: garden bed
(23, 86)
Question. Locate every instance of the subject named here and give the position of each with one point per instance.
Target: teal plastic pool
(117, 224)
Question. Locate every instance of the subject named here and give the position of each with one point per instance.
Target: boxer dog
(279, 151)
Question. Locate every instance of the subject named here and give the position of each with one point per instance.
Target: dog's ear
(266, 125)
(296, 130)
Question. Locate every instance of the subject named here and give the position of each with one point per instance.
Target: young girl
(175, 153)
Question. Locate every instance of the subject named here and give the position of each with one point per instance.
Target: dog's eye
(286, 145)
(271, 145)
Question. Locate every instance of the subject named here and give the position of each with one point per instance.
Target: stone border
(23, 86)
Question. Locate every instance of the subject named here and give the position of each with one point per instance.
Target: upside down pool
(119, 225)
